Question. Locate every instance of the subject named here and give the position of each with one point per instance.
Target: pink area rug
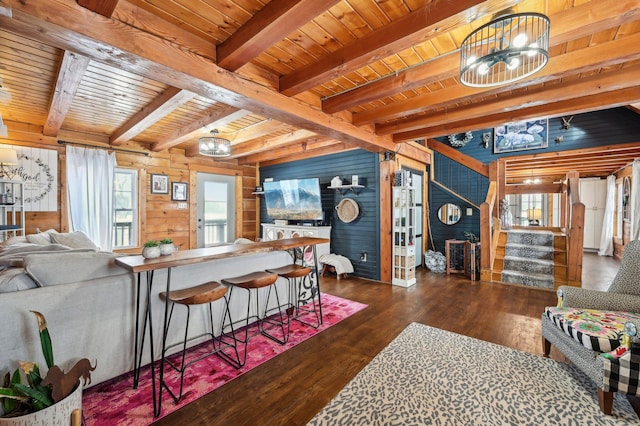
(116, 402)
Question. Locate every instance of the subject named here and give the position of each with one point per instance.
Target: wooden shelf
(343, 188)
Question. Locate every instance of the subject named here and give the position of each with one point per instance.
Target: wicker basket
(348, 210)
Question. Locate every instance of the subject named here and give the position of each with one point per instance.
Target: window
(125, 205)
(215, 213)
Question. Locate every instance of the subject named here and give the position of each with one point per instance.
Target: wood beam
(566, 26)
(302, 152)
(544, 188)
(66, 25)
(574, 63)
(72, 69)
(596, 84)
(258, 130)
(577, 105)
(269, 25)
(216, 117)
(296, 136)
(415, 151)
(285, 150)
(431, 20)
(158, 108)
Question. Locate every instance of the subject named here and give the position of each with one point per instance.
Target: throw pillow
(76, 239)
(42, 238)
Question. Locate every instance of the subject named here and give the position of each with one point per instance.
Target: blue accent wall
(347, 239)
(470, 185)
(589, 130)
(607, 127)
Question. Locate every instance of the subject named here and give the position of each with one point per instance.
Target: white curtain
(635, 201)
(606, 239)
(90, 174)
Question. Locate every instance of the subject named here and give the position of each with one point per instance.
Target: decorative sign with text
(38, 169)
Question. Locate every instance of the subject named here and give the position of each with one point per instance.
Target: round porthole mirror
(449, 214)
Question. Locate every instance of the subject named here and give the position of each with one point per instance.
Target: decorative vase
(166, 249)
(507, 219)
(151, 252)
(58, 414)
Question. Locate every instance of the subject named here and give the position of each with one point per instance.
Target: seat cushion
(598, 330)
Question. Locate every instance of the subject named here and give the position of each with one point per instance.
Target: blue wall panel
(608, 127)
(347, 239)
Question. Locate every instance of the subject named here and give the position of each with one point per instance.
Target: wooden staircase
(559, 256)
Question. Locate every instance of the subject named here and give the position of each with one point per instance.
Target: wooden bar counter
(137, 264)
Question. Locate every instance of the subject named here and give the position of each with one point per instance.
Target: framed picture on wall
(159, 184)
(179, 191)
(521, 136)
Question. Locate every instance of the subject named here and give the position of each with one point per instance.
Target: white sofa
(89, 304)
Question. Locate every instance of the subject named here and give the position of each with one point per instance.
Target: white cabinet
(593, 194)
(12, 208)
(272, 231)
(404, 232)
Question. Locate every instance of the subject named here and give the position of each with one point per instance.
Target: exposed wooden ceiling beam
(72, 68)
(158, 108)
(603, 15)
(218, 116)
(67, 25)
(596, 84)
(297, 136)
(579, 61)
(577, 105)
(297, 152)
(272, 23)
(431, 20)
(258, 130)
(283, 152)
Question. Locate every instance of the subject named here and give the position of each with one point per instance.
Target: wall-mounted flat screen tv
(293, 199)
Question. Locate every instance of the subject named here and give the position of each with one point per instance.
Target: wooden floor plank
(294, 386)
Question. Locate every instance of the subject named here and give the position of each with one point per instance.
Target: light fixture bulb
(531, 53)
(483, 69)
(513, 63)
(520, 40)
(471, 61)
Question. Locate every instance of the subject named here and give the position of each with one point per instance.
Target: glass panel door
(216, 209)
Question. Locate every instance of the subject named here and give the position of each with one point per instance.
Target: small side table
(456, 253)
(473, 261)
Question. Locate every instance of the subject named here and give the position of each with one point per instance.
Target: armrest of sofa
(576, 297)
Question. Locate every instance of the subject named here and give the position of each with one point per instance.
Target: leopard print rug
(428, 376)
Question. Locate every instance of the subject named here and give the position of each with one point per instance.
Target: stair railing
(575, 231)
(489, 232)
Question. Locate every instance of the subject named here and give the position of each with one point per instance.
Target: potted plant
(151, 249)
(166, 246)
(33, 402)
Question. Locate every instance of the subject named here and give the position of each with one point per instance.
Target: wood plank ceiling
(284, 79)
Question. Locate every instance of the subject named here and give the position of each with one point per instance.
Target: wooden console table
(138, 264)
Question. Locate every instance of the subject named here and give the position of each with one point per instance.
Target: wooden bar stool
(252, 283)
(198, 295)
(302, 291)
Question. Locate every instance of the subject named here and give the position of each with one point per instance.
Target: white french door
(215, 209)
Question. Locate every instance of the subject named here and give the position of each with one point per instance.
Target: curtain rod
(130, 151)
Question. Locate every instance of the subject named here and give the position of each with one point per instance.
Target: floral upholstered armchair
(598, 330)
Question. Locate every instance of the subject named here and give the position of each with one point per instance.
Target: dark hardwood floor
(291, 388)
